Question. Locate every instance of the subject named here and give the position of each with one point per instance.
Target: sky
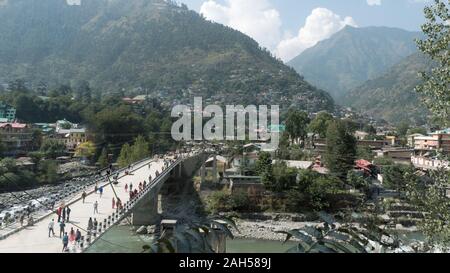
(288, 27)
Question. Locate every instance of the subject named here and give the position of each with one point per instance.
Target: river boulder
(142, 230)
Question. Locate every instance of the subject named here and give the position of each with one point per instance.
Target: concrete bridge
(143, 208)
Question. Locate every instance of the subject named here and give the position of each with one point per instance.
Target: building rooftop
(14, 125)
(69, 131)
(218, 158)
(297, 164)
(444, 131)
(416, 135)
(425, 138)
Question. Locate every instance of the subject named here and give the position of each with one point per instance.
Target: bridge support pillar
(146, 212)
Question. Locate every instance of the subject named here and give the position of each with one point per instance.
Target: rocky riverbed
(264, 226)
(16, 202)
(267, 229)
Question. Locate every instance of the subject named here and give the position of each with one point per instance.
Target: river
(120, 239)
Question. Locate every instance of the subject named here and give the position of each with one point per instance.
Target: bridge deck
(35, 238)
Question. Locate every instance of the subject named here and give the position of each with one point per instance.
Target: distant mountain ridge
(392, 96)
(353, 56)
(155, 46)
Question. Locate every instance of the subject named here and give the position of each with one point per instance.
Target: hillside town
(160, 126)
(422, 152)
(18, 138)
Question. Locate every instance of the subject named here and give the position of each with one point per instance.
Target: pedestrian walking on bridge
(64, 214)
(65, 241)
(113, 203)
(51, 227)
(58, 212)
(90, 224)
(83, 195)
(68, 213)
(95, 207)
(78, 237)
(62, 225)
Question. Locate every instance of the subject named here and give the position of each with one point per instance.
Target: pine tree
(265, 170)
(341, 149)
(140, 149)
(124, 157)
(103, 159)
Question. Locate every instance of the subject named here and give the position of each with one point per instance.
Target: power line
(117, 197)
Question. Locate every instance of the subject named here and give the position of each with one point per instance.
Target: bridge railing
(120, 213)
(67, 197)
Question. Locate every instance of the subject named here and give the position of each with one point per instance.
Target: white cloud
(73, 2)
(320, 24)
(259, 20)
(374, 2)
(256, 18)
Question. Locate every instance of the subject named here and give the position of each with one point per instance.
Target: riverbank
(267, 229)
(42, 193)
(266, 226)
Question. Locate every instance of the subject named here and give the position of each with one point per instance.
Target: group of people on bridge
(63, 212)
(135, 192)
(74, 237)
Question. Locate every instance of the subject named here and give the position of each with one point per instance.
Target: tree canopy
(341, 148)
(436, 86)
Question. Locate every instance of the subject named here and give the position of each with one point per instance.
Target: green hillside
(353, 56)
(144, 46)
(392, 96)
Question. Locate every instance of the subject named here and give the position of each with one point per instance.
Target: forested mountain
(353, 56)
(392, 96)
(140, 46)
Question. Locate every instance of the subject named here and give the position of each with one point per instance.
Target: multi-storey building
(438, 141)
(7, 112)
(16, 138)
(72, 137)
(430, 151)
